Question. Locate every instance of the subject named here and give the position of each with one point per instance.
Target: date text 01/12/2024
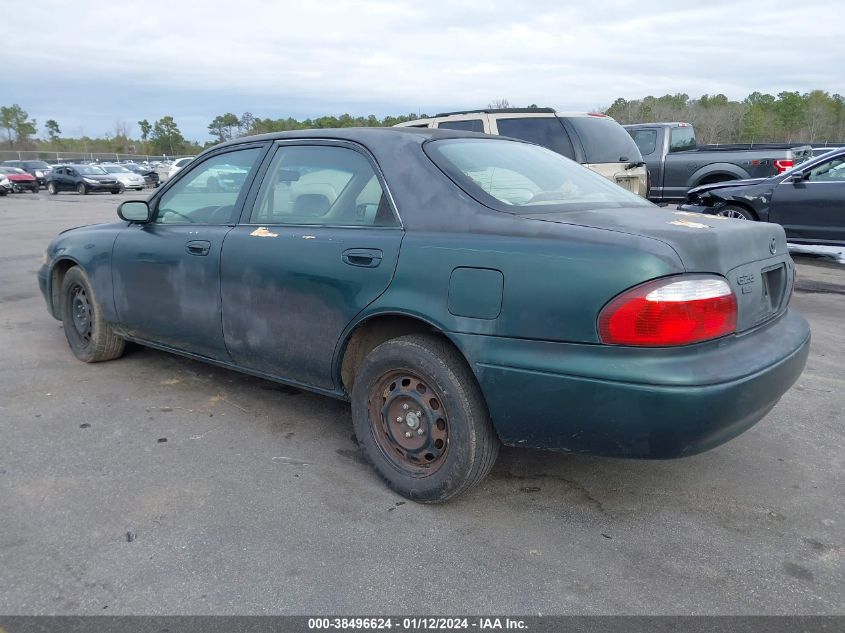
(416, 623)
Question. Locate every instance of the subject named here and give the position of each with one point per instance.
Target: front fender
(90, 248)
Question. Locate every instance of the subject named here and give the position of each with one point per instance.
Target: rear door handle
(198, 247)
(363, 257)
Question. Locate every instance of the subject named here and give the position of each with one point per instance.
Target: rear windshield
(526, 179)
(605, 141)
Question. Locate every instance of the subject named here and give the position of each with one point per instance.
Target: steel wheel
(81, 312)
(410, 423)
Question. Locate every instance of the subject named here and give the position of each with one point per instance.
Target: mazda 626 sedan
(460, 290)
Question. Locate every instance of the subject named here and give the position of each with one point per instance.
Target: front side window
(831, 171)
(468, 125)
(208, 193)
(520, 178)
(646, 140)
(321, 185)
(545, 131)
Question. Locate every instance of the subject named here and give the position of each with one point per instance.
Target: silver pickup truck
(676, 163)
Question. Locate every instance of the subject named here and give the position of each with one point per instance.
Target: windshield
(525, 179)
(605, 141)
(115, 169)
(89, 170)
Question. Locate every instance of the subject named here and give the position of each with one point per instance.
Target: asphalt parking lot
(159, 485)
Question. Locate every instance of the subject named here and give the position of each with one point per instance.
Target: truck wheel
(421, 419)
(91, 339)
(738, 213)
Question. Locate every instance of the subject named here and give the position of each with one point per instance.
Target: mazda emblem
(773, 246)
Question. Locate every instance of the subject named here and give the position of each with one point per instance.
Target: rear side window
(545, 131)
(681, 138)
(646, 140)
(321, 185)
(604, 140)
(468, 125)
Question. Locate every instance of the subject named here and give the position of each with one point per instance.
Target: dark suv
(37, 168)
(83, 179)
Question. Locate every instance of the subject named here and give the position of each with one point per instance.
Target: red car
(20, 179)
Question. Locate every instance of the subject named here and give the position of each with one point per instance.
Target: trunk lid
(752, 256)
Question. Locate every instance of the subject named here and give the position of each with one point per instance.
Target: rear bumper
(636, 402)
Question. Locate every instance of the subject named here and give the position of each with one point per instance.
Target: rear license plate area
(774, 289)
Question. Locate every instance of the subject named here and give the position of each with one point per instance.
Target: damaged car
(808, 200)
(461, 291)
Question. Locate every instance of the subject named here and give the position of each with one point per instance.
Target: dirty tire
(738, 213)
(472, 445)
(91, 339)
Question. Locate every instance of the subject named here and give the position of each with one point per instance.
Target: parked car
(177, 165)
(83, 179)
(149, 174)
(593, 139)
(37, 168)
(677, 163)
(125, 176)
(461, 290)
(808, 201)
(20, 180)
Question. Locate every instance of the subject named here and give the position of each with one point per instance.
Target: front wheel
(81, 189)
(90, 337)
(51, 188)
(738, 213)
(421, 419)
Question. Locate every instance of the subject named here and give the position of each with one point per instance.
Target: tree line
(816, 117)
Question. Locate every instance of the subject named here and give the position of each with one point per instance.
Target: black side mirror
(798, 176)
(134, 211)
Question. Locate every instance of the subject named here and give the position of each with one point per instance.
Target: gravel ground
(159, 485)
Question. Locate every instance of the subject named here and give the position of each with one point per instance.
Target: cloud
(93, 63)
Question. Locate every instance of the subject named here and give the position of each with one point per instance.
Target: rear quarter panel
(552, 287)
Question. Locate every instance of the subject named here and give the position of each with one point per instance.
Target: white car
(129, 179)
(178, 165)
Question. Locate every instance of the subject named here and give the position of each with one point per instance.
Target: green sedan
(461, 291)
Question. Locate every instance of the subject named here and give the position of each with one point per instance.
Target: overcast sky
(91, 64)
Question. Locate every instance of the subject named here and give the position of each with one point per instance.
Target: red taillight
(669, 312)
(784, 164)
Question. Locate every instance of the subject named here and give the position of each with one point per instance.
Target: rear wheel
(421, 419)
(81, 189)
(91, 339)
(738, 213)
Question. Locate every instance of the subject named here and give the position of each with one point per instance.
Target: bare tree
(499, 104)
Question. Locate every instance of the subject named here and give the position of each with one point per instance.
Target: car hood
(99, 176)
(705, 244)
